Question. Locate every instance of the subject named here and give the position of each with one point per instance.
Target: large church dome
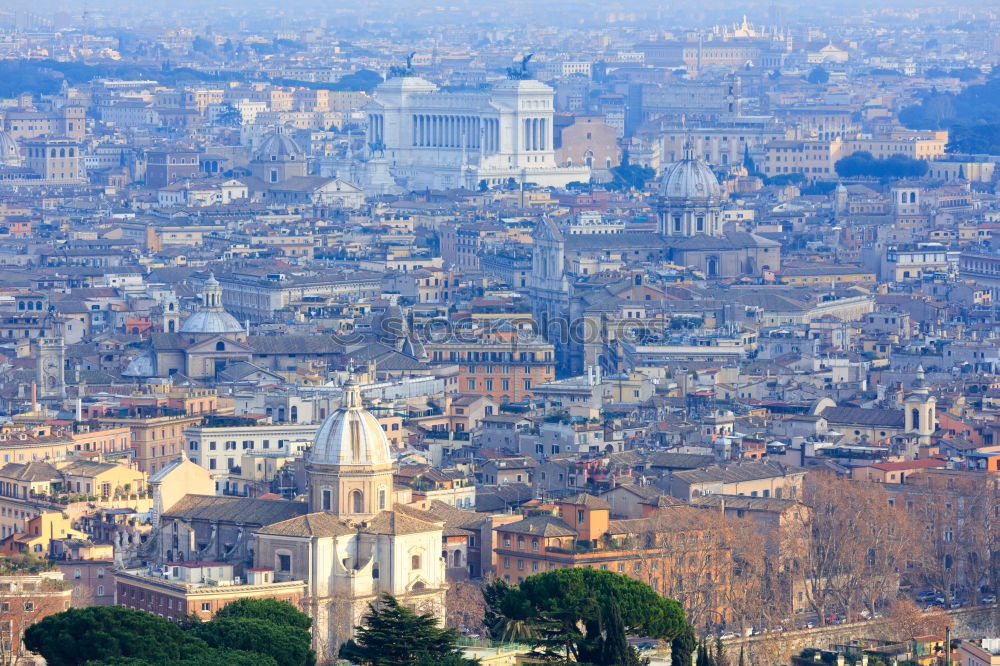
(351, 436)
(211, 318)
(279, 147)
(689, 178)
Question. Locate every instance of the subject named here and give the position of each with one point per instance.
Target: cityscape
(415, 334)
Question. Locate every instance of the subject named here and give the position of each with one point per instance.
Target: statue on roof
(397, 70)
(520, 73)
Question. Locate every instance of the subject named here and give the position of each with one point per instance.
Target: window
(206, 606)
(580, 516)
(327, 500)
(357, 501)
(381, 499)
(100, 590)
(284, 562)
(29, 606)
(415, 562)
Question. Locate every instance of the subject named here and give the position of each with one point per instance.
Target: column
(545, 134)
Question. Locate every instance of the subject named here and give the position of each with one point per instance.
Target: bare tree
(464, 607)
(23, 606)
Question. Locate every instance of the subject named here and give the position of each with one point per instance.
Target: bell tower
(171, 316)
(50, 368)
(920, 413)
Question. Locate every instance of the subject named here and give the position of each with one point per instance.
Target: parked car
(926, 596)
(988, 599)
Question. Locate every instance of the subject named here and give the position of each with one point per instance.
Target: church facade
(207, 343)
(688, 208)
(359, 539)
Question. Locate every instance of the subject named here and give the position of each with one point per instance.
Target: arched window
(100, 590)
(220, 346)
(415, 562)
(357, 501)
(712, 267)
(295, 413)
(913, 197)
(62, 152)
(457, 558)
(327, 500)
(916, 419)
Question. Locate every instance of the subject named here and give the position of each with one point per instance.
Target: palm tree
(514, 631)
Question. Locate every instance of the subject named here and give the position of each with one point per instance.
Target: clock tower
(51, 367)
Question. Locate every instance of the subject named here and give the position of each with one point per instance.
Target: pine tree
(720, 658)
(748, 161)
(616, 651)
(682, 648)
(393, 635)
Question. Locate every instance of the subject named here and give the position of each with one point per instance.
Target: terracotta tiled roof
(320, 524)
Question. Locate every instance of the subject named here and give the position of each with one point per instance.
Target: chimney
(79, 409)
(34, 398)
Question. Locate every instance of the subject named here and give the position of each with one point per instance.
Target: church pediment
(219, 344)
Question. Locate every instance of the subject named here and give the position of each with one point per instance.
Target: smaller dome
(10, 154)
(279, 146)
(211, 318)
(211, 321)
(141, 366)
(351, 436)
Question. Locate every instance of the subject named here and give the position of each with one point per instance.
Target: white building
(221, 448)
(358, 541)
(429, 138)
